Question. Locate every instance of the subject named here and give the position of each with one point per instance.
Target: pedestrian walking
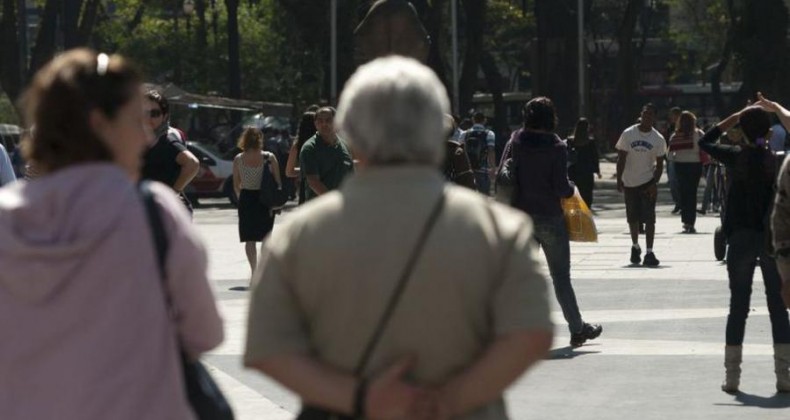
(780, 227)
(745, 226)
(640, 160)
(324, 158)
(90, 329)
(256, 221)
(479, 144)
(540, 158)
(167, 160)
(685, 156)
(586, 163)
(457, 168)
(674, 114)
(340, 316)
(305, 131)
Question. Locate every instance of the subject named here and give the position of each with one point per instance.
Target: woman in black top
(750, 194)
(584, 160)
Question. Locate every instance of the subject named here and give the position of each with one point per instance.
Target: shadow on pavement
(567, 353)
(239, 288)
(750, 400)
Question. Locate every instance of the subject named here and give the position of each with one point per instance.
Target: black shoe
(676, 210)
(636, 255)
(701, 211)
(650, 260)
(689, 229)
(588, 332)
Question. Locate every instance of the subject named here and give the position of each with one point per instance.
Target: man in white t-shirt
(640, 153)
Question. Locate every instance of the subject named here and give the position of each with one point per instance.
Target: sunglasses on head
(155, 113)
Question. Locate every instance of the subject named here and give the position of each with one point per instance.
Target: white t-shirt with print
(643, 149)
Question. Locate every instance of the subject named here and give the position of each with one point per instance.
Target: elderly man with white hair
(398, 296)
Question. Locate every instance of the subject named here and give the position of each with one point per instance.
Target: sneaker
(650, 260)
(636, 255)
(676, 210)
(588, 332)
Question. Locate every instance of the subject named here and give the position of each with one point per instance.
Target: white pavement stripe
(619, 347)
(247, 404)
(641, 315)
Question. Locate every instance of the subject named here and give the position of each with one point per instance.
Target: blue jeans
(746, 249)
(483, 181)
(552, 236)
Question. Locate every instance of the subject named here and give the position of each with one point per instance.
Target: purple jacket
(542, 168)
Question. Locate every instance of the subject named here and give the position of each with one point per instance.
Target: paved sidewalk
(660, 355)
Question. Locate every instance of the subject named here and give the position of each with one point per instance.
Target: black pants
(585, 183)
(688, 175)
(746, 250)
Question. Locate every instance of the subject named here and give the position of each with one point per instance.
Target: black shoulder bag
(271, 195)
(315, 413)
(204, 395)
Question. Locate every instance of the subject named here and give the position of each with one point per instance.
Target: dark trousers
(746, 250)
(688, 175)
(552, 235)
(585, 183)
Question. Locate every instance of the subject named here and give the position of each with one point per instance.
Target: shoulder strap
(157, 226)
(401, 285)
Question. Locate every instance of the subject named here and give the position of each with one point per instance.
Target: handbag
(317, 413)
(271, 195)
(506, 182)
(204, 395)
(579, 219)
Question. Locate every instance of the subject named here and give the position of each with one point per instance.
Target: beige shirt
(325, 277)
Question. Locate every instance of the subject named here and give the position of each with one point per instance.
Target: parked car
(215, 178)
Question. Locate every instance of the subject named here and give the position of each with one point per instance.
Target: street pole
(454, 13)
(333, 54)
(582, 96)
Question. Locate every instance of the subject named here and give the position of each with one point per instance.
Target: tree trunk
(494, 82)
(627, 74)
(554, 60)
(46, 39)
(88, 21)
(475, 11)
(202, 29)
(234, 61)
(9, 51)
(434, 23)
(724, 61)
(70, 13)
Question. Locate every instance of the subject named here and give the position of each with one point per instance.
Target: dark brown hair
(306, 129)
(60, 99)
(251, 138)
(539, 114)
(755, 123)
(156, 96)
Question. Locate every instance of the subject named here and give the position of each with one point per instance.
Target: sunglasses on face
(155, 113)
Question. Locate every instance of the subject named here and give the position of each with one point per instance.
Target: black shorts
(639, 207)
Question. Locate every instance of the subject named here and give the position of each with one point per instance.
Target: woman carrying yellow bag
(579, 219)
(538, 159)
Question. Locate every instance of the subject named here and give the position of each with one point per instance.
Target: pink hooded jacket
(83, 320)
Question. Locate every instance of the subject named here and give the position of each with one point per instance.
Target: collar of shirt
(420, 180)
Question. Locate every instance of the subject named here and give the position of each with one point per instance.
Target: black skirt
(255, 221)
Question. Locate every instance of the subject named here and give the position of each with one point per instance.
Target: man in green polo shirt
(324, 158)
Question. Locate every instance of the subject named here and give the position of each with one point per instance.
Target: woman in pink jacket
(87, 333)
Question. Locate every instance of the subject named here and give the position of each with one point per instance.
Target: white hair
(392, 112)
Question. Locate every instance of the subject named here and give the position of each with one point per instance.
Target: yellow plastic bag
(579, 219)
